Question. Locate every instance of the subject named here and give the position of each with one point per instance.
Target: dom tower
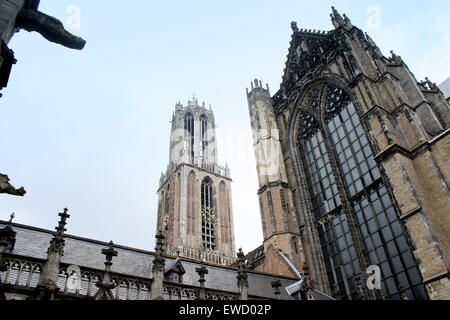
(194, 208)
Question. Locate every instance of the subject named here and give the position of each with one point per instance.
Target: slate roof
(33, 243)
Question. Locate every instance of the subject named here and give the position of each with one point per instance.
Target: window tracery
(189, 134)
(344, 183)
(208, 214)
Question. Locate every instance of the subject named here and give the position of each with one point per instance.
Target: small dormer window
(174, 272)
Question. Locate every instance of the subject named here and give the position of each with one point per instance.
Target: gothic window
(224, 212)
(161, 210)
(208, 214)
(189, 133)
(166, 215)
(271, 211)
(191, 196)
(261, 210)
(345, 184)
(204, 131)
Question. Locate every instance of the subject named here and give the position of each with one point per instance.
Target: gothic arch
(191, 203)
(189, 131)
(209, 213)
(161, 207)
(224, 211)
(349, 205)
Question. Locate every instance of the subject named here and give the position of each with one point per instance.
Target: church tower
(194, 207)
(281, 229)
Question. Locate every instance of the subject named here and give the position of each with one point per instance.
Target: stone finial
(47, 288)
(11, 217)
(347, 21)
(157, 286)
(242, 273)
(294, 26)
(109, 254)
(158, 261)
(394, 57)
(57, 243)
(276, 285)
(201, 271)
(105, 286)
(336, 18)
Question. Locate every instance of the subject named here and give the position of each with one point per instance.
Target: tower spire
(338, 21)
(47, 288)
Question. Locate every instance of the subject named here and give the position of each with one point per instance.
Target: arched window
(192, 200)
(224, 212)
(161, 210)
(189, 133)
(346, 188)
(166, 216)
(295, 245)
(204, 133)
(208, 214)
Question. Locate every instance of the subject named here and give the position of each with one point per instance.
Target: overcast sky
(89, 130)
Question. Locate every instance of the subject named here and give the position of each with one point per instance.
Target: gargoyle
(50, 28)
(6, 187)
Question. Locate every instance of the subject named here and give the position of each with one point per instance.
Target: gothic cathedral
(353, 163)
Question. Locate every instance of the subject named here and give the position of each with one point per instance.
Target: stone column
(157, 287)
(202, 271)
(105, 287)
(47, 288)
(242, 278)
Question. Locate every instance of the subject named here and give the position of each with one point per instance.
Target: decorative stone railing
(81, 283)
(178, 291)
(210, 256)
(213, 168)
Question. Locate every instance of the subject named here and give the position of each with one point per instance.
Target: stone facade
(279, 219)
(189, 212)
(397, 130)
